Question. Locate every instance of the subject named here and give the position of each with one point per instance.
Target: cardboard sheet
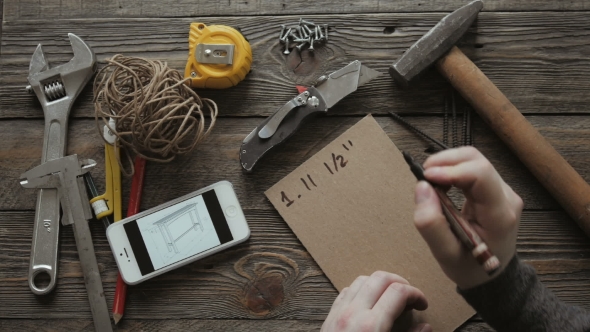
(352, 205)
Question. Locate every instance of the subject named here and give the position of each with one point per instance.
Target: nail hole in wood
(388, 30)
(478, 45)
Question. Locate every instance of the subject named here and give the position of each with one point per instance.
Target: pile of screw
(306, 33)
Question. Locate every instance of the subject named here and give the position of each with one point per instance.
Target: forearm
(517, 301)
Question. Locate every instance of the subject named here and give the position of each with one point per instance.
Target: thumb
(432, 224)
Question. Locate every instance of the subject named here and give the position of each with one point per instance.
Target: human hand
(491, 206)
(374, 303)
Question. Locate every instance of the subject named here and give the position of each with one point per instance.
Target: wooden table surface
(537, 53)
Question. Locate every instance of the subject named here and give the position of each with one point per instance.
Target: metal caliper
(56, 88)
(65, 176)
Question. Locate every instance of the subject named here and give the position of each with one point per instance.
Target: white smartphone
(178, 232)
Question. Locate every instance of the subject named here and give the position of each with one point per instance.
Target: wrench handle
(547, 165)
(44, 251)
(55, 135)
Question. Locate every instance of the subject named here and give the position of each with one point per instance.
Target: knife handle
(254, 147)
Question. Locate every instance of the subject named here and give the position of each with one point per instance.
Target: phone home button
(231, 211)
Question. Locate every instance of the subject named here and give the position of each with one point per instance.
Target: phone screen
(178, 232)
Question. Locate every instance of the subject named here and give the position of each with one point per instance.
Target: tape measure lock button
(215, 53)
(219, 57)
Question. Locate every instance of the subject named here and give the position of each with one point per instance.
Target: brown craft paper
(352, 205)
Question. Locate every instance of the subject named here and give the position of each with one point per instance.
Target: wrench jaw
(62, 84)
(38, 62)
(84, 56)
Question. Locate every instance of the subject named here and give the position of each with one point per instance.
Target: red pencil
(132, 208)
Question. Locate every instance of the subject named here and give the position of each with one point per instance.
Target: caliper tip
(87, 163)
(29, 184)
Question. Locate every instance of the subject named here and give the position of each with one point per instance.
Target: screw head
(193, 74)
(207, 52)
(314, 101)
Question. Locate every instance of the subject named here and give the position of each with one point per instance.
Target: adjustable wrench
(65, 176)
(56, 88)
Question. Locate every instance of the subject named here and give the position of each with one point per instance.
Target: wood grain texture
(233, 284)
(48, 325)
(539, 60)
(535, 51)
(1, 21)
(32, 9)
(217, 158)
(43, 325)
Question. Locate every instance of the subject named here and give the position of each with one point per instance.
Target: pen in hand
(461, 227)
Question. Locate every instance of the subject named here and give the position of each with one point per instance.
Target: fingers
(432, 224)
(397, 298)
(376, 302)
(339, 302)
(477, 178)
(452, 156)
(353, 289)
(373, 287)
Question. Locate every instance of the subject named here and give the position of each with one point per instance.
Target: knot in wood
(270, 278)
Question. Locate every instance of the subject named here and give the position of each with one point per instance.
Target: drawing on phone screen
(168, 227)
(178, 232)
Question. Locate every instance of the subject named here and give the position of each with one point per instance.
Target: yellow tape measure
(219, 56)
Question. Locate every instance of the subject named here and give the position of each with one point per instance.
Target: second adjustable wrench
(56, 88)
(65, 175)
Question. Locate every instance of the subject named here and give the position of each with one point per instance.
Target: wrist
(473, 275)
(506, 269)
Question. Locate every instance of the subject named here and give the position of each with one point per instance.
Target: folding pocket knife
(316, 99)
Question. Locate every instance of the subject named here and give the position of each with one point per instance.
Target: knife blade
(328, 91)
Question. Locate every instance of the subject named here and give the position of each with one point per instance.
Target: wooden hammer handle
(548, 166)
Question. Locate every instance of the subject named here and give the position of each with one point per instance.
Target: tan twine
(157, 115)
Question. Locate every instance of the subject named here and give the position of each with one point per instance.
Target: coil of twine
(158, 117)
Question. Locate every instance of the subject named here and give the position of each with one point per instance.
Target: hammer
(548, 166)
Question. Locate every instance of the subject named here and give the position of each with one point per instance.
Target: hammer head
(436, 43)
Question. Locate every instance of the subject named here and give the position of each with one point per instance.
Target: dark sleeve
(517, 301)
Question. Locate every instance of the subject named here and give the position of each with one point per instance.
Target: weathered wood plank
(190, 325)
(167, 325)
(1, 21)
(271, 276)
(54, 9)
(217, 159)
(538, 59)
